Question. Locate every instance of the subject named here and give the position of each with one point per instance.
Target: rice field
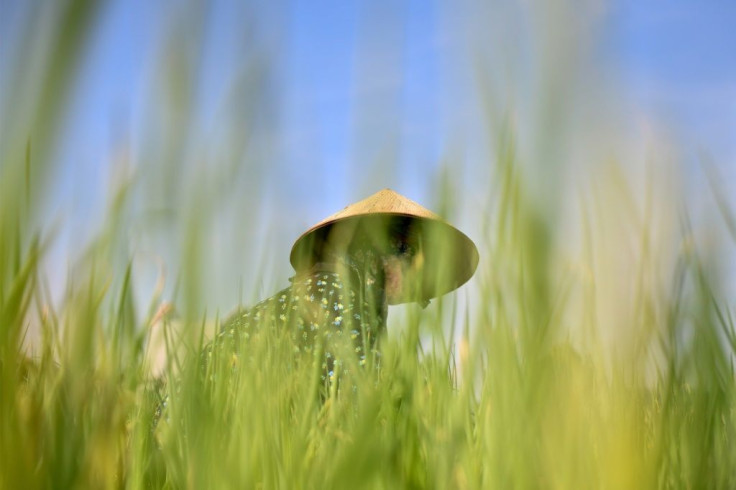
(594, 347)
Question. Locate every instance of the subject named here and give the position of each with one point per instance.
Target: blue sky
(380, 68)
(679, 60)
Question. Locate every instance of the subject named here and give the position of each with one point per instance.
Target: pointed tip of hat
(385, 201)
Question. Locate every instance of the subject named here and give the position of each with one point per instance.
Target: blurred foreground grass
(527, 391)
(517, 404)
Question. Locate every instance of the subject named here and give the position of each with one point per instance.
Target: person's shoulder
(242, 313)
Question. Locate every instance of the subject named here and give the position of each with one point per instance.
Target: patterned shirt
(322, 309)
(333, 307)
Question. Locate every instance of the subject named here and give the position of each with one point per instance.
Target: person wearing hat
(383, 250)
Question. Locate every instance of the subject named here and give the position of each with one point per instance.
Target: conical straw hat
(450, 257)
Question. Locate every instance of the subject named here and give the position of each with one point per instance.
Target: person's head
(402, 267)
(387, 236)
(393, 261)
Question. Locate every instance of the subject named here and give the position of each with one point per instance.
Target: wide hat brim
(450, 258)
